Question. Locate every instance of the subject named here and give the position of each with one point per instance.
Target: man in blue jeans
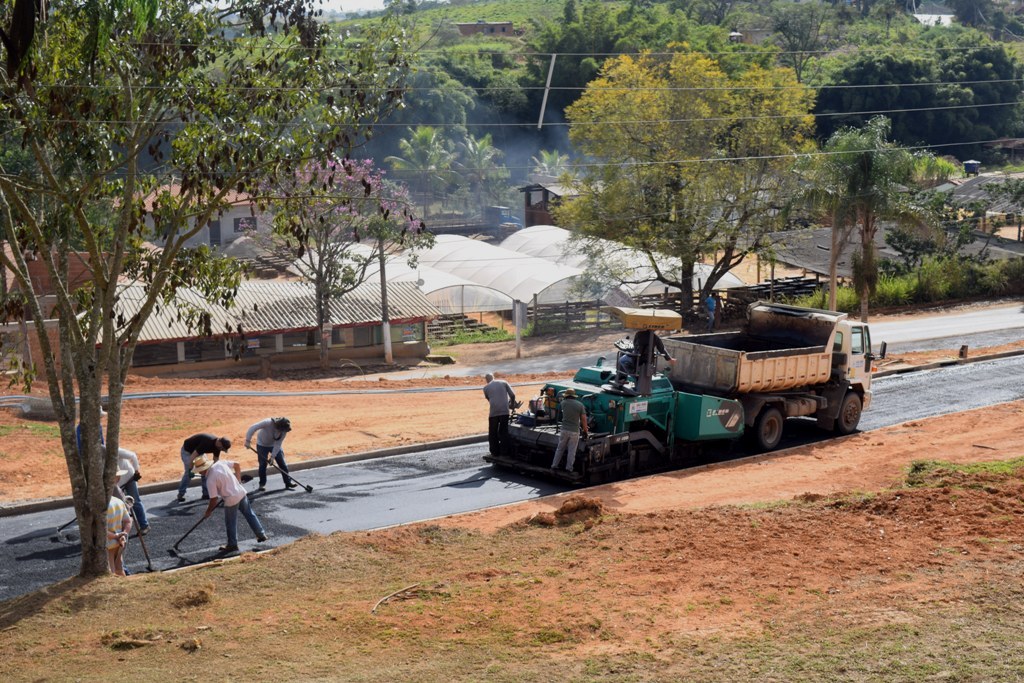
(128, 463)
(192, 448)
(270, 434)
(224, 482)
(710, 304)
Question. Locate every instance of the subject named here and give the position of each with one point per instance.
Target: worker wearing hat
(224, 482)
(270, 435)
(574, 419)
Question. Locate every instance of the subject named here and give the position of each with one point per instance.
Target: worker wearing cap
(224, 482)
(574, 419)
(192, 448)
(270, 435)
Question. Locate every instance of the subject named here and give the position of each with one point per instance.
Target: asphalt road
(420, 486)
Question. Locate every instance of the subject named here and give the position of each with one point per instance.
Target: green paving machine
(639, 423)
(784, 362)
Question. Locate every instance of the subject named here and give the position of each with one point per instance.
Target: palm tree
(478, 166)
(552, 164)
(859, 179)
(427, 157)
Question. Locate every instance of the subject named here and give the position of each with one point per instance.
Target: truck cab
(852, 356)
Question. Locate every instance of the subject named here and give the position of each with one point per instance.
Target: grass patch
(44, 431)
(937, 473)
(473, 337)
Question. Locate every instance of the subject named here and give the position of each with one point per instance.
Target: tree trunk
(90, 482)
(833, 268)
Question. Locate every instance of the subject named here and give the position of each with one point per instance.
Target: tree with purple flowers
(340, 218)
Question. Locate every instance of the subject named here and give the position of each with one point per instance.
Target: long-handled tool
(142, 541)
(270, 461)
(59, 538)
(173, 550)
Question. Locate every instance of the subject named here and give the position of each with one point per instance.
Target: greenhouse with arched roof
(554, 244)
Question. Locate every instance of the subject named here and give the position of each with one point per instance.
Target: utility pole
(385, 320)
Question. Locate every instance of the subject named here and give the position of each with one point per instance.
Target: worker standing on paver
(270, 434)
(500, 396)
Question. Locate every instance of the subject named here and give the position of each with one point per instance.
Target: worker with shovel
(224, 481)
(270, 434)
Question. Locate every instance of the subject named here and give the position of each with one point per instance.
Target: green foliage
(949, 87)
(893, 291)
(468, 336)
(694, 161)
(935, 280)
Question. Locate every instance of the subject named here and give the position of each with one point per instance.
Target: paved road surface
(420, 486)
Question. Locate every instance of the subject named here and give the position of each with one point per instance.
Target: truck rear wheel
(849, 413)
(768, 429)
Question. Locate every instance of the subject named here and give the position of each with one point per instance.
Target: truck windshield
(857, 340)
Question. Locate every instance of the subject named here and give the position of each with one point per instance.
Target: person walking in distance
(128, 462)
(500, 396)
(710, 304)
(270, 434)
(574, 419)
(224, 482)
(192, 448)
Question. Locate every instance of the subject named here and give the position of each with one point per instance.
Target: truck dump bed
(781, 347)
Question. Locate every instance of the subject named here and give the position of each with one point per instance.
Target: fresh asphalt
(389, 488)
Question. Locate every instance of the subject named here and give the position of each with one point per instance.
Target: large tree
(686, 161)
(141, 121)
(800, 30)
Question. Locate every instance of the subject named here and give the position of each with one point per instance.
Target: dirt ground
(817, 563)
(32, 462)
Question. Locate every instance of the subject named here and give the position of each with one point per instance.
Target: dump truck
(786, 361)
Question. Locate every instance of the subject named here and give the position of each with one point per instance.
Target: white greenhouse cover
(449, 293)
(520, 276)
(552, 243)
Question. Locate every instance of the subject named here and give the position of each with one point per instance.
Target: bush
(894, 290)
(1012, 273)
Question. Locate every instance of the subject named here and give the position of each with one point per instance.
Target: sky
(353, 5)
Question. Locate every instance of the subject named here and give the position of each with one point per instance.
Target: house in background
(241, 217)
(539, 197)
(489, 28)
(279, 322)
(934, 14)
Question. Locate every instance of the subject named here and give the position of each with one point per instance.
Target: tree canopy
(953, 87)
(141, 127)
(686, 161)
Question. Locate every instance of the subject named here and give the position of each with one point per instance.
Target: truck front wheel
(768, 429)
(849, 413)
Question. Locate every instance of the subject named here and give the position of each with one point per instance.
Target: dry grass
(806, 591)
